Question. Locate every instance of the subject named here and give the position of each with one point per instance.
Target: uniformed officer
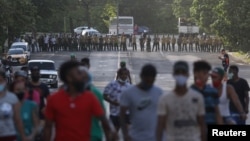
(179, 42)
(202, 44)
(134, 43)
(173, 42)
(105, 43)
(163, 45)
(116, 42)
(190, 43)
(168, 43)
(196, 40)
(142, 41)
(148, 44)
(81, 43)
(158, 43)
(184, 43)
(100, 43)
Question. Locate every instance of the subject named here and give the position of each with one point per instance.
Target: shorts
(228, 119)
(237, 119)
(116, 120)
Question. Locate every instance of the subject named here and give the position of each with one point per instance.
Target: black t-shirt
(225, 61)
(44, 92)
(241, 86)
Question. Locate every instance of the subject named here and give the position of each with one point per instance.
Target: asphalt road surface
(105, 64)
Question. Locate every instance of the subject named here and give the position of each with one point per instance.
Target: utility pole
(117, 18)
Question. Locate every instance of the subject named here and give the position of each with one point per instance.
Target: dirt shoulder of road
(241, 57)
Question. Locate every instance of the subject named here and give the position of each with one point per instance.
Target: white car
(90, 32)
(79, 30)
(48, 72)
(24, 46)
(17, 56)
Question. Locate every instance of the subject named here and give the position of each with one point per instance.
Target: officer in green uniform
(163, 45)
(173, 41)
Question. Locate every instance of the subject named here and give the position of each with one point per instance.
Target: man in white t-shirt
(181, 112)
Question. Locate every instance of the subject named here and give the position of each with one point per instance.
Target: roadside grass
(245, 57)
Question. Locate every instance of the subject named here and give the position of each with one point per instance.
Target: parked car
(49, 74)
(90, 32)
(143, 29)
(22, 45)
(79, 30)
(18, 56)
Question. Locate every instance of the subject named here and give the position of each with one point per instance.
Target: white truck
(187, 27)
(125, 25)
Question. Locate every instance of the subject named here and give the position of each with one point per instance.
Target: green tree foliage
(227, 18)
(181, 8)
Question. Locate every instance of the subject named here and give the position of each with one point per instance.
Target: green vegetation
(229, 19)
(245, 57)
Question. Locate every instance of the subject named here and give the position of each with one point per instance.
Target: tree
(181, 8)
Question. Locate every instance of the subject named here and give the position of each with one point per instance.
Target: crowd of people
(76, 111)
(74, 42)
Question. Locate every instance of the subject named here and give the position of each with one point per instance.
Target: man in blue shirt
(201, 73)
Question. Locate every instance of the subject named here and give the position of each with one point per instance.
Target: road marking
(118, 63)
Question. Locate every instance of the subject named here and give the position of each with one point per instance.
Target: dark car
(143, 29)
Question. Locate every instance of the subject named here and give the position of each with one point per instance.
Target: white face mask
(121, 81)
(230, 75)
(181, 80)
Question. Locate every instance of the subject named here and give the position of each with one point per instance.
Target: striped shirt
(211, 98)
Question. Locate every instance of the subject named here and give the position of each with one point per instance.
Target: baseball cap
(21, 73)
(181, 65)
(34, 68)
(218, 71)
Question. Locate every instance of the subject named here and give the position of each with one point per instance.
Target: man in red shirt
(71, 108)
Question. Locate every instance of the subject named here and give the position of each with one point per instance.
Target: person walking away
(142, 43)
(141, 101)
(64, 105)
(112, 94)
(181, 105)
(241, 88)
(225, 59)
(10, 118)
(211, 96)
(29, 110)
(226, 94)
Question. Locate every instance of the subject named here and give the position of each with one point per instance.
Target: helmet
(123, 64)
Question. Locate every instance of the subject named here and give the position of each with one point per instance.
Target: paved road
(105, 64)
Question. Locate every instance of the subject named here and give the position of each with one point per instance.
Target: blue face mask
(2, 87)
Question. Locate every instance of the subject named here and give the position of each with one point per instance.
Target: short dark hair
(234, 67)
(201, 66)
(148, 70)
(65, 68)
(85, 61)
(2, 73)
